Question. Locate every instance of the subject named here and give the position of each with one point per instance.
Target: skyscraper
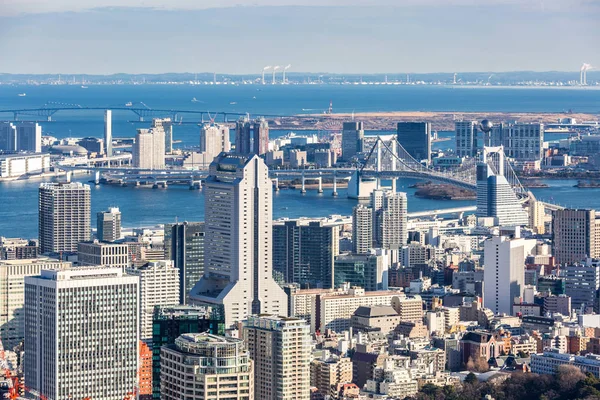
(187, 252)
(576, 235)
(362, 229)
(81, 333)
(504, 271)
(415, 137)
(352, 139)
(159, 286)
(304, 252)
(466, 138)
(8, 137)
(582, 281)
(243, 136)
(64, 216)
(149, 148)
(495, 195)
(20, 136)
(108, 133)
(238, 240)
(524, 142)
(167, 126)
(222, 368)
(390, 218)
(261, 136)
(281, 350)
(108, 224)
(214, 139)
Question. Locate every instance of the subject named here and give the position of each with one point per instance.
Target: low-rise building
(551, 359)
(105, 254)
(383, 318)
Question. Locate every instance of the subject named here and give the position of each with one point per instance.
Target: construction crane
(268, 67)
(275, 68)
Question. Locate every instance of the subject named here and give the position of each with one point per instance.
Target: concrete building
(238, 273)
(186, 244)
(68, 313)
(390, 381)
(523, 141)
(159, 286)
(114, 255)
(582, 281)
(383, 318)
(364, 362)
(18, 249)
(216, 367)
(12, 294)
(504, 272)
(551, 359)
(409, 308)
(353, 134)
(13, 166)
(298, 158)
(167, 126)
(214, 139)
(560, 304)
(325, 158)
(495, 195)
(362, 229)
(261, 136)
(304, 252)
(576, 235)
(20, 137)
(328, 371)
(281, 350)
(94, 146)
(170, 322)
(64, 216)
(415, 137)
(389, 219)
(466, 138)
(108, 142)
(108, 225)
(369, 271)
(149, 148)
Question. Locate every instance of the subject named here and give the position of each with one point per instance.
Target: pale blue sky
(352, 36)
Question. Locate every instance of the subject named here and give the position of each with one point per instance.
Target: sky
(351, 36)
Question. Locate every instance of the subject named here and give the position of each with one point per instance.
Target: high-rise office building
(108, 143)
(114, 255)
(149, 148)
(243, 136)
(390, 219)
(415, 137)
(214, 139)
(466, 138)
(64, 216)
(186, 249)
(261, 136)
(304, 252)
(362, 229)
(238, 240)
(222, 369)
(167, 126)
(108, 224)
(170, 322)
(369, 271)
(582, 281)
(12, 279)
(353, 134)
(81, 333)
(576, 235)
(523, 142)
(496, 197)
(281, 350)
(504, 271)
(159, 286)
(20, 136)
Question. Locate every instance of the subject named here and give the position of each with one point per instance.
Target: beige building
(410, 308)
(384, 318)
(281, 350)
(576, 235)
(12, 284)
(201, 366)
(362, 229)
(238, 255)
(149, 148)
(214, 139)
(101, 253)
(327, 372)
(159, 286)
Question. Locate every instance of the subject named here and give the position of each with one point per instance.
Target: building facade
(64, 216)
(108, 224)
(369, 271)
(104, 254)
(186, 245)
(353, 134)
(415, 137)
(466, 138)
(81, 326)
(575, 235)
(362, 229)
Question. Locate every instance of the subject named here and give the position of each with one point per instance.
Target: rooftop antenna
(268, 67)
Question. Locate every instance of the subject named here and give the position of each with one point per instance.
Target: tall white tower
(238, 240)
(108, 133)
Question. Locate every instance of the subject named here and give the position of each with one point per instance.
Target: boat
(22, 94)
(128, 104)
(233, 103)
(84, 87)
(194, 100)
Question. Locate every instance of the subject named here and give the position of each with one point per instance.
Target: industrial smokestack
(268, 67)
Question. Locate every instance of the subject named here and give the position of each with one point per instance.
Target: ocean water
(144, 207)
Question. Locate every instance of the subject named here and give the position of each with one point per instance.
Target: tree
(471, 379)
(567, 378)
